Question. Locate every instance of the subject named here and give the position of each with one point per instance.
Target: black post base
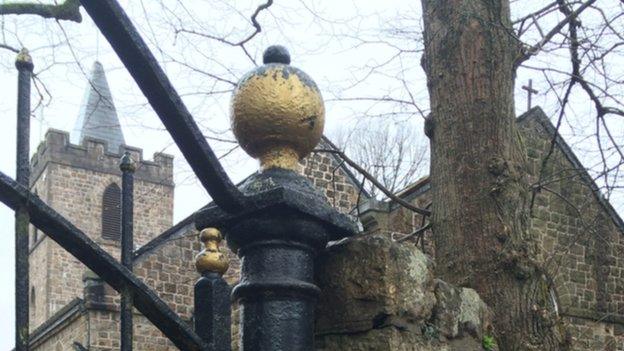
(277, 291)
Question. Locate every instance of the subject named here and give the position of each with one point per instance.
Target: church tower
(78, 175)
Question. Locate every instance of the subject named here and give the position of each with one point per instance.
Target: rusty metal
(127, 167)
(24, 65)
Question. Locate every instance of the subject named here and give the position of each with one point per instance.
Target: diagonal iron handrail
(99, 261)
(151, 79)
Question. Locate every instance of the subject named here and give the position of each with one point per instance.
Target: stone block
(370, 282)
(459, 312)
(386, 339)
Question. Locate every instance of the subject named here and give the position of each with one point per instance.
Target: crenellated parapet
(92, 155)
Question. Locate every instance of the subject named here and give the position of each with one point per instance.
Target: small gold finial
(277, 112)
(24, 60)
(210, 259)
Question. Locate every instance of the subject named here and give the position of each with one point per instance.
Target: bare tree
(395, 155)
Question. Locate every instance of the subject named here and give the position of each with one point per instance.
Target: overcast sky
(338, 43)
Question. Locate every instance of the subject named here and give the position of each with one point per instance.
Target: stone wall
(581, 242)
(104, 329)
(378, 294)
(327, 173)
(68, 327)
(65, 339)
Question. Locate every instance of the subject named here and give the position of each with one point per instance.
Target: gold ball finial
(277, 112)
(210, 259)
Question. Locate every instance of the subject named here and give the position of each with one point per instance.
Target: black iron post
(127, 167)
(278, 117)
(277, 291)
(212, 294)
(25, 67)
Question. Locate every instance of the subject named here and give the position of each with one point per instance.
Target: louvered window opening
(111, 213)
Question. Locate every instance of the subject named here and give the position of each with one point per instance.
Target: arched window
(111, 212)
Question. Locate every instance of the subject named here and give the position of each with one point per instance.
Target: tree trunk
(480, 219)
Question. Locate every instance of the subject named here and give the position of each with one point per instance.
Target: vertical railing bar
(85, 250)
(212, 306)
(127, 167)
(24, 65)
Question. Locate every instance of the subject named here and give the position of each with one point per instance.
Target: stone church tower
(78, 175)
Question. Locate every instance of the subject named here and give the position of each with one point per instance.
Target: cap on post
(276, 54)
(127, 164)
(24, 61)
(277, 112)
(210, 259)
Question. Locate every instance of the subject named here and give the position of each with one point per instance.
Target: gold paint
(276, 116)
(279, 157)
(24, 61)
(210, 259)
(23, 57)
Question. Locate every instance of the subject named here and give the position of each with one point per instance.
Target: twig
(416, 232)
(8, 47)
(556, 29)
(375, 182)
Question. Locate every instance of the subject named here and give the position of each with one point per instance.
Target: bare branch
(255, 23)
(67, 11)
(9, 47)
(533, 50)
(415, 233)
(240, 43)
(373, 180)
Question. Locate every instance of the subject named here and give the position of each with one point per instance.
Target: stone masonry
(72, 178)
(71, 308)
(378, 294)
(580, 237)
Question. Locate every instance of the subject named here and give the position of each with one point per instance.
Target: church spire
(98, 116)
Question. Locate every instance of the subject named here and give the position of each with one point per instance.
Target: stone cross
(530, 92)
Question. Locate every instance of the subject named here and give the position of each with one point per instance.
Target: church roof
(535, 114)
(98, 117)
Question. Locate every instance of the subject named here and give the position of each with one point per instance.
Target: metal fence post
(25, 67)
(277, 117)
(212, 294)
(127, 167)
